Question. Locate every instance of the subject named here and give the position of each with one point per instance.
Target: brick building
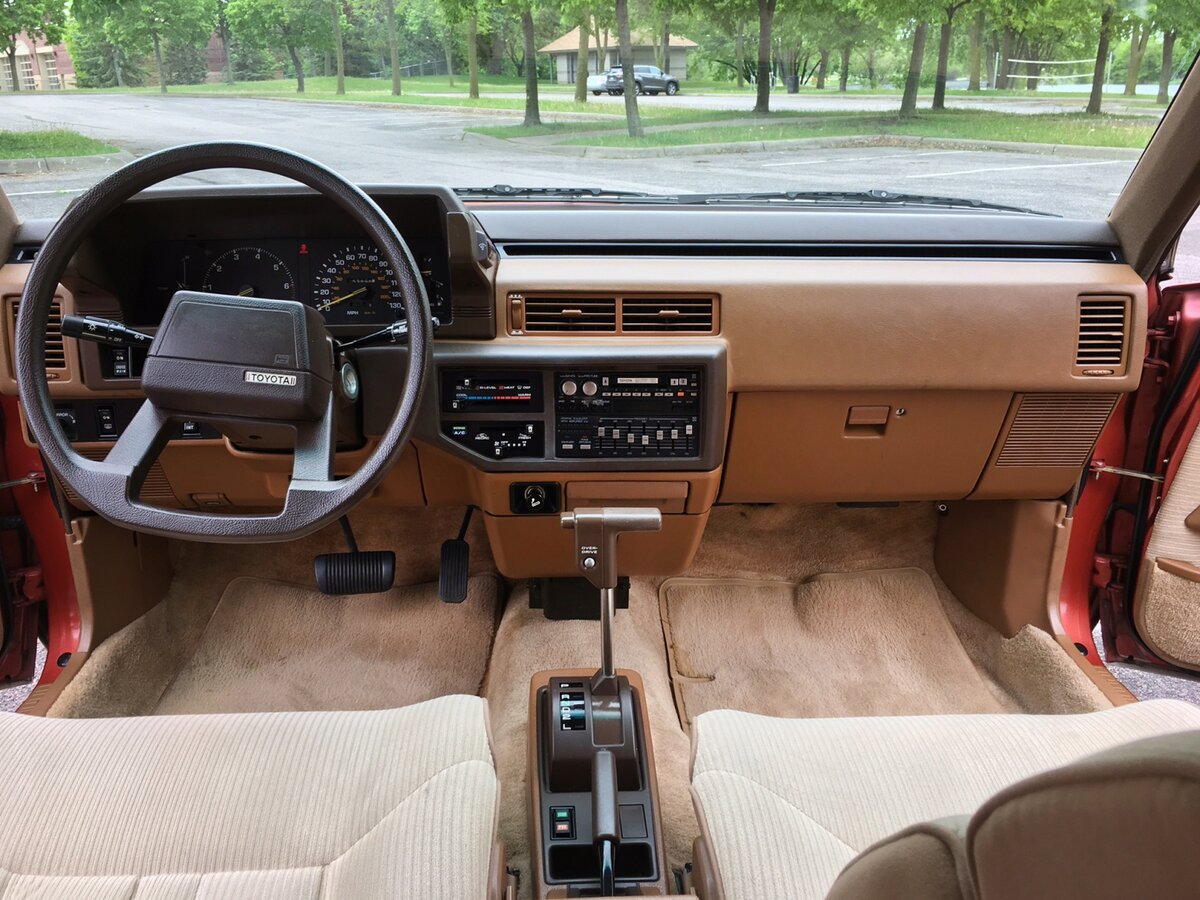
(40, 66)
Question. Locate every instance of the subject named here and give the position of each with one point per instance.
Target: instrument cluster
(349, 281)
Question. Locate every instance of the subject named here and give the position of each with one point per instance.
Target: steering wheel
(220, 359)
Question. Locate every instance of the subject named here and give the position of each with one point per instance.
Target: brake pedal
(355, 572)
(456, 565)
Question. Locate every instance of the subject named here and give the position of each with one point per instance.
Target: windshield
(843, 104)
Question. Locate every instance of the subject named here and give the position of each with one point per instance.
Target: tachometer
(250, 272)
(357, 285)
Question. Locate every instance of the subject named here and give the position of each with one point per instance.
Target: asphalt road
(414, 145)
(405, 144)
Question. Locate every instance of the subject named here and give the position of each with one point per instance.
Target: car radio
(627, 414)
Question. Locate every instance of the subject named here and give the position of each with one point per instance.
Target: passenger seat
(908, 808)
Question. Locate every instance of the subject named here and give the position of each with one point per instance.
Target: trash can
(793, 83)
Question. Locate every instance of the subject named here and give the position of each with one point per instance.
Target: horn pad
(247, 357)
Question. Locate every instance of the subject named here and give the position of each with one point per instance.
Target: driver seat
(967, 807)
(396, 803)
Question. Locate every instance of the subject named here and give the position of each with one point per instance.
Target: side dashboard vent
(1055, 429)
(56, 351)
(558, 315)
(690, 315)
(1103, 335)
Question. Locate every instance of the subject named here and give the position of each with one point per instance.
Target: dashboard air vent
(1055, 429)
(556, 315)
(56, 352)
(1103, 327)
(692, 315)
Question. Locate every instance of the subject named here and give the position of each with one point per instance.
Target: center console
(595, 815)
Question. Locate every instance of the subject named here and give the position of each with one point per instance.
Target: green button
(562, 815)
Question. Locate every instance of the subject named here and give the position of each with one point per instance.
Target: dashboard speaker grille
(1103, 328)
(1055, 429)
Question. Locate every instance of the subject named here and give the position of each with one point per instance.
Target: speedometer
(356, 285)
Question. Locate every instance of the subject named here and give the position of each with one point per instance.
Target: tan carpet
(133, 670)
(849, 644)
(274, 647)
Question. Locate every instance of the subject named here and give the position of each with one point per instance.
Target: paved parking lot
(413, 145)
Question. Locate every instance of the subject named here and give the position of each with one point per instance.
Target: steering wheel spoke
(139, 446)
(316, 443)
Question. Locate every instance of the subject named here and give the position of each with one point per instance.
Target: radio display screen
(491, 392)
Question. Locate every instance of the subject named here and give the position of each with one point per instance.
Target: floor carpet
(842, 644)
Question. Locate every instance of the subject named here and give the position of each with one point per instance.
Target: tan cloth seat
(277, 806)
(786, 804)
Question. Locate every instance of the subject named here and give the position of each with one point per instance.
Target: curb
(50, 164)
(878, 140)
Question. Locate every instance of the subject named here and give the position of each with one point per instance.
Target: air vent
(591, 314)
(559, 315)
(691, 315)
(1055, 429)
(1103, 327)
(56, 352)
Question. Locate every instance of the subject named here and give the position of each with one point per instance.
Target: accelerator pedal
(456, 565)
(356, 572)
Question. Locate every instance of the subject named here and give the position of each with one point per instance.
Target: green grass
(616, 121)
(50, 142)
(1074, 129)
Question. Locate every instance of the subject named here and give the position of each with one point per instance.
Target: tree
(633, 118)
(293, 24)
(766, 20)
(389, 15)
(37, 18)
(1174, 18)
(157, 22)
(912, 83)
(339, 44)
(943, 59)
(223, 34)
(1139, 37)
(581, 61)
(533, 114)
(1097, 95)
(975, 37)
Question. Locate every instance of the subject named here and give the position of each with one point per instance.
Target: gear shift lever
(596, 532)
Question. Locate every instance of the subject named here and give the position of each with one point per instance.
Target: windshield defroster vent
(675, 314)
(1103, 330)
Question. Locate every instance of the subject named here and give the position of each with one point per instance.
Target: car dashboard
(624, 354)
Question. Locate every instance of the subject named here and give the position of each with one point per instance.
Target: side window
(1187, 253)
